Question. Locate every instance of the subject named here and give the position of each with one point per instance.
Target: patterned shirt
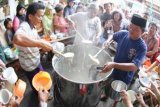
(29, 57)
(128, 51)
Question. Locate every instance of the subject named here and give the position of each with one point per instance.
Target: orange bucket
(42, 80)
(19, 88)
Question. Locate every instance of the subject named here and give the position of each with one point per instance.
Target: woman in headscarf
(47, 20)
(20, 16)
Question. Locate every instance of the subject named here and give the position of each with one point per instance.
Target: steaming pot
(76, 70)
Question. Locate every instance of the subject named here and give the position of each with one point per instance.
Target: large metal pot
(116, 87)
(72, 73)
(77, 69)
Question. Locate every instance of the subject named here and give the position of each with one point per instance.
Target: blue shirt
(68, 11)
(128, 51)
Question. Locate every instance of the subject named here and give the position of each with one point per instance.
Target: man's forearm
(25, 41)
(126, 66)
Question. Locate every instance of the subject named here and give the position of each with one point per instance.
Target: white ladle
(69, 55)
(83, 40)
(65, 55)
(94, 58)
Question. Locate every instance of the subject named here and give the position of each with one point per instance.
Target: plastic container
(20, 88)
(42, 80)
(5, 96)
(9, 75)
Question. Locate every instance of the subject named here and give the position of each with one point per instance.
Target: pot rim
(79, 82)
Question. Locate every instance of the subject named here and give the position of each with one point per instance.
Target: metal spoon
(94, 58)
(65, 55)
(93, 71)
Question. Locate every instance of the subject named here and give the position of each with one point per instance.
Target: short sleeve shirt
(128, 51)
(29, 57)
(87, 27)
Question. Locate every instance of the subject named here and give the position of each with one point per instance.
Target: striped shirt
(29, 57)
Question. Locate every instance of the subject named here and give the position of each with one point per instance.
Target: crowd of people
(135, 38)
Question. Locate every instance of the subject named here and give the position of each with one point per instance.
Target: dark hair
(106, 4)
(153, 24)
(101, 8)
(79, 7)
(33, 8)
(19, 7)
(146, 13)
(70, 1)
(115, 12)
(6, 21)
(21, 17)
(80, 3)
(40, 2)
(58, 8)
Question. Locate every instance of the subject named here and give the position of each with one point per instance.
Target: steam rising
(77, 69)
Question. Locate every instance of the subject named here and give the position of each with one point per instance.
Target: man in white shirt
(29, 43)
(87, 23)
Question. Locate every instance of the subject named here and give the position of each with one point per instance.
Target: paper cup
(10, 75)
(5, 96)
